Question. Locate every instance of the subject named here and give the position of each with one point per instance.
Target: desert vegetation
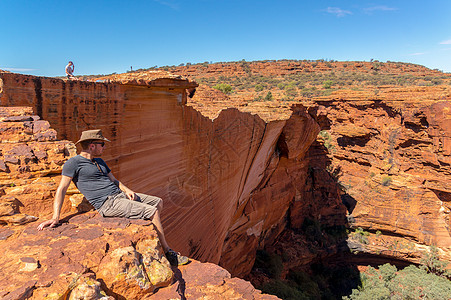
(313, 78)
(300, 79)
(429, 280)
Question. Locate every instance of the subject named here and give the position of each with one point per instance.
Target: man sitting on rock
(109, 196)
(70, 70)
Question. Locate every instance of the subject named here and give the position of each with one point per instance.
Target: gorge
(236, 176)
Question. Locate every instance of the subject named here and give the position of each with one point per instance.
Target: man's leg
(145, 207)
(157, 222)
(173, 257)
(155, 218)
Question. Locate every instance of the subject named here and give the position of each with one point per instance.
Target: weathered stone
(16, 119)
(18, 219)
(23, 292)
(6, 209)
(15, 111)
(123, 273)
(41, 125)
(88, 288)
(80, 203)
(155, 263)
(5, 233)
(28, 264)
(192, 282)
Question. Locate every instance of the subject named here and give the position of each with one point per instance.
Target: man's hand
(50, 223)
(130, 194)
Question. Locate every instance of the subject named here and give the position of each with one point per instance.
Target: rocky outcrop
(30, 164)
(87, 256)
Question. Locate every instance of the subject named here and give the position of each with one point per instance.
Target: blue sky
(102, 37)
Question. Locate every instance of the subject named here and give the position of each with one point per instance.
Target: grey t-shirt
(91, 178)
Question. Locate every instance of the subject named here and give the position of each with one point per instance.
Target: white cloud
(169, 4)
(379, 8)
(447, 42)
(338, 11)
(417, 53)
(17, 69)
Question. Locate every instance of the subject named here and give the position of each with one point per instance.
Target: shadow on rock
(309, 259)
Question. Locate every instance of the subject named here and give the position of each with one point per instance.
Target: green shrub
(283, 290)
(290, 91)
(327, 139)
(223, 87)
(305, 283)
(386, 180)
(361, 235)
(270, 263)
(309, 92)
(328, 84)
(432, 264)
(410, 283)
(259, 88)
(321, 282)
(312, 230)
(268, 96)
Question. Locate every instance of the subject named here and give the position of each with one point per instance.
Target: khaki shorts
(143, 207)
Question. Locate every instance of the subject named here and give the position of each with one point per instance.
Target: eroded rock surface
(87, 256)
(393, 161)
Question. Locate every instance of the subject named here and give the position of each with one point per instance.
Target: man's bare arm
(57, 203)
(130, 194)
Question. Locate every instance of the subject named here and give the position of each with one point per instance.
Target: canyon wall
(87, 256)
(392, 160)
(227, 183)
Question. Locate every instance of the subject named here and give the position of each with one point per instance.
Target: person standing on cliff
(70, 70)
(109, 196)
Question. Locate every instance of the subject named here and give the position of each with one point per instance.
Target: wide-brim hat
(94, 134)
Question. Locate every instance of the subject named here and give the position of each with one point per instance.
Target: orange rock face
(388, 147)
(30, 164)
(393, 161)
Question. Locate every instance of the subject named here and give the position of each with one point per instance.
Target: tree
(409, 283)
(268, 96)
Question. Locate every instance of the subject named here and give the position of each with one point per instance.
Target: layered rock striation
(392, 159)
(87, 256)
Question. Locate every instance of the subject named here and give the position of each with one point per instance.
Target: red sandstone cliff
(387, 147)
(232, 180)
(87, 257)
(206, 170)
